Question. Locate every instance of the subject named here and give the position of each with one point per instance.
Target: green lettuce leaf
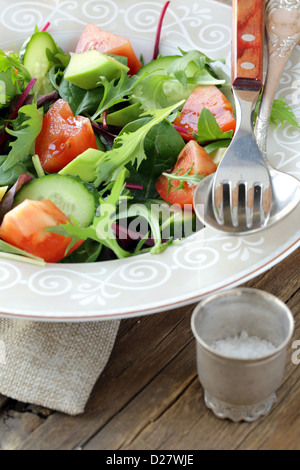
(81, 101)
(129, 148)
(209, 130)
(193, 64)
(162, 147)
(115, 92)
(25, 133)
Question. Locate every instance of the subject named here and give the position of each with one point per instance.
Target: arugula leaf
(209, 130)
(281, 113)
(115, 93)
(185, 178)
(25, 134)
(129, 147)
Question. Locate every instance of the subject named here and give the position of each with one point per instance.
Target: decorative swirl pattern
(50, 283)
(243, 248)
(195, 257)
(138, 275)
(183, 20)
(99, 287)
(104, 12)
(29, 14)
(24, 18)
(214, 36)
(143, 19)
(10, 275)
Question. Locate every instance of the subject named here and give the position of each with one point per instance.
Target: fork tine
(250, 206)
(242, 205)
(227, 204)
(258, 217)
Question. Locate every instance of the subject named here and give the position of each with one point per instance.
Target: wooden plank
(18, 420)
(117, 434)
(282, 430)
(152, 402)
(200, 429)
(282, 280)
(138, 356)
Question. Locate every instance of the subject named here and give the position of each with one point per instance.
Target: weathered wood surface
(149, 396)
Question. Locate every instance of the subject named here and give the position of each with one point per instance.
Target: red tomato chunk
(24, 227)
(210, 97)
(193, 157)
(63, 137)
(103, 41)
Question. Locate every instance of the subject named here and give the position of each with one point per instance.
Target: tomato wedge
(23, 227)
(93, 37)
(193, 157)
(63, 137)
(205, 96)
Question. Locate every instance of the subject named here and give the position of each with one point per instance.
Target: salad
(101, 152)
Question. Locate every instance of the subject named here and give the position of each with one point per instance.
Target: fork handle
(247, 44)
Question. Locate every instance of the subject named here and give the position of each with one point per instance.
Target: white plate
(205, 262)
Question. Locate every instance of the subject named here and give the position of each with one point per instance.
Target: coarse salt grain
(243, 346)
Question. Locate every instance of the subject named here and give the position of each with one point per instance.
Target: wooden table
(149, 396)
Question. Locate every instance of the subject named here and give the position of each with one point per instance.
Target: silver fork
(241, 192)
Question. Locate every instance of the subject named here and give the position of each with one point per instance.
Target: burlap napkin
(54, 365)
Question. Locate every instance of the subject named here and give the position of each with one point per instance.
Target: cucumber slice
(71, 195)
(37, 62)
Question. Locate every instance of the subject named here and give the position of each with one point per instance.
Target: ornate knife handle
(283, 34)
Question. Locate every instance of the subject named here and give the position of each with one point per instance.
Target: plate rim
(281, 254)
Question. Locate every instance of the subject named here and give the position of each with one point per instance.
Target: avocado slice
(86, 68)
(84, 165)
(123, 116)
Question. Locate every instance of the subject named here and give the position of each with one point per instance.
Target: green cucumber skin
(36, 47)
(71, 195)
(34, 53)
